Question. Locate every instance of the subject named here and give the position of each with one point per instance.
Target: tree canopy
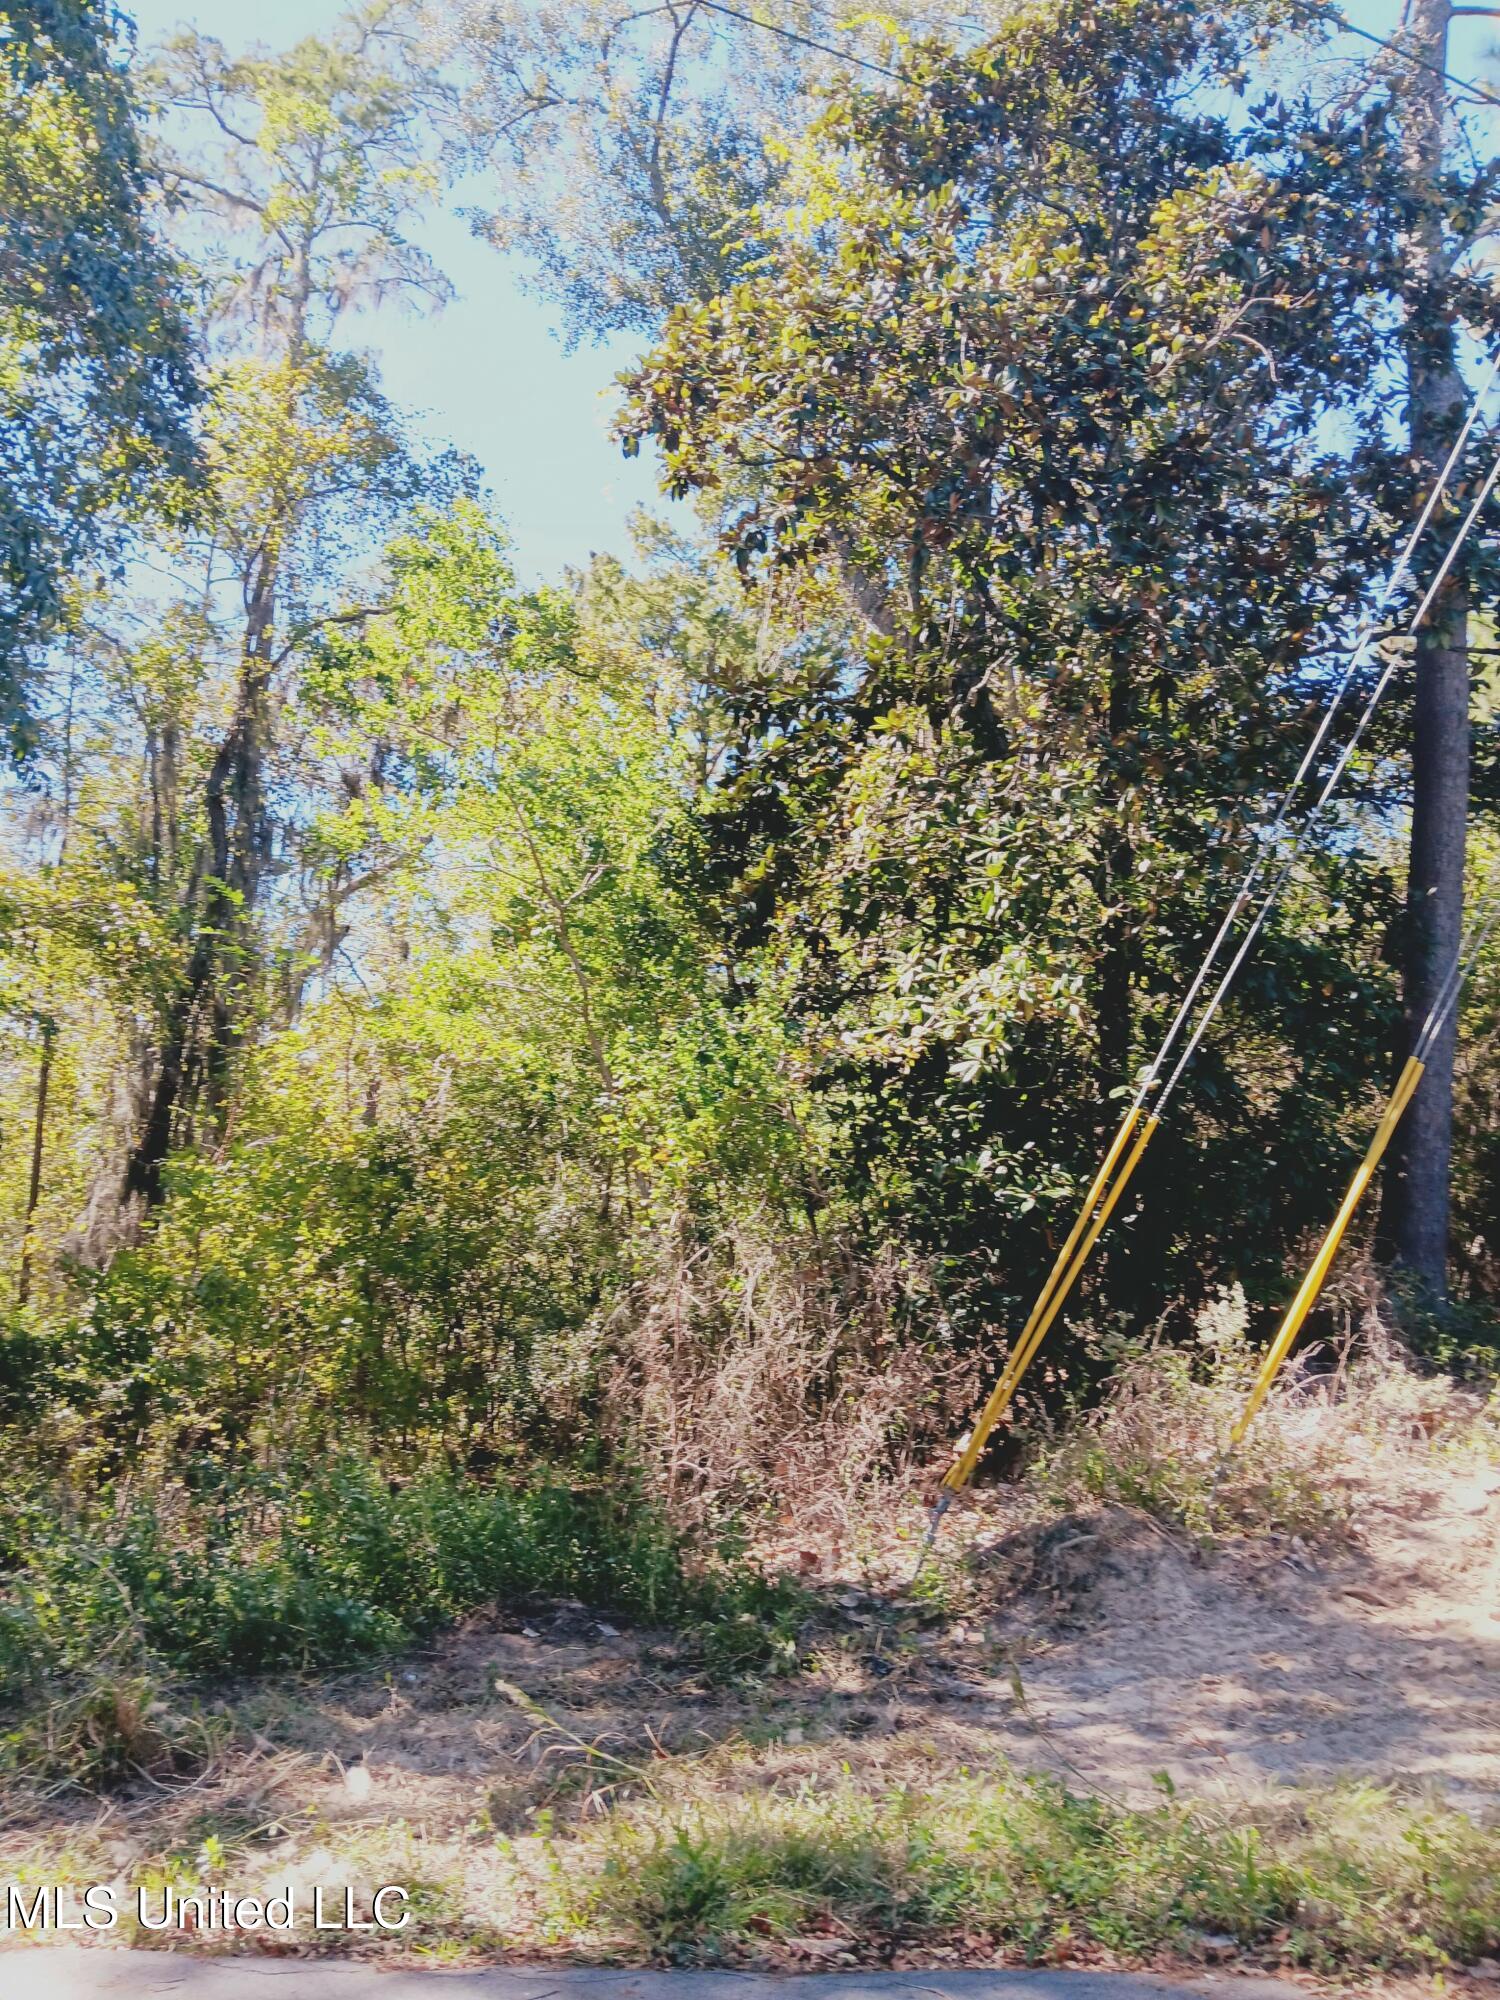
(1041, 377)
(97, 383)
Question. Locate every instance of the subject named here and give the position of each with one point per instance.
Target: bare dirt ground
(1269, 1662)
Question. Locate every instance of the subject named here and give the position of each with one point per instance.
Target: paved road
(47, 1974)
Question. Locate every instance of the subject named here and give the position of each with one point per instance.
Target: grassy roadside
(756, 1772)
(1347, 1879)
(718, 1860)
(117, 1620)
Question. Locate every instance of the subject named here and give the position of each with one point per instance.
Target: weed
(311, 1566)
(772, 1373)
(1160, 1438)
(104, 1728)
(1351, 1877)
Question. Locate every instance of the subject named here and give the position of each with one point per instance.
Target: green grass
(1346, 1878)
(316, 1567)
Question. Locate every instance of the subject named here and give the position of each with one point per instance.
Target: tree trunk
(207, 1009)
(38, 1152)
(1417, 1183)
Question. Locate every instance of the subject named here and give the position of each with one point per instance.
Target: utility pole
(1417, 1185)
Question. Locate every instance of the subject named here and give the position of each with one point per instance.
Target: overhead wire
(1476, 936)
(1357, 658)
(802, 41)
(1330, 785)
(1465, 960)
(1359, 653)
(1475, 91)
(1143, 1114)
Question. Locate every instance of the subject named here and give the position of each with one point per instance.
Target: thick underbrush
(120, 1594)
(792, 1754)
(110, 1615)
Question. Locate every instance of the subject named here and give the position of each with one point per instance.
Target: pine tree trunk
(1417, 1185)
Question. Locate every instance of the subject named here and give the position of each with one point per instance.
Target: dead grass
(1342, 1420)
(776, 1377)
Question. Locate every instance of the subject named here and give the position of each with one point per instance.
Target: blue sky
(490, 374)
(487, 373)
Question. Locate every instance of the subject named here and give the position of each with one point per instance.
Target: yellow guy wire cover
(1060, 1281)
(1312, 1284)
(959, 1473)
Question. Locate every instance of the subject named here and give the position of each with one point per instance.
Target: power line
(1476, 91)
(802, 41)
(1264, 858)
(1330, 786)
(1143, 1115)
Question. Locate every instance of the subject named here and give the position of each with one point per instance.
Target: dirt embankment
(1270, 1662)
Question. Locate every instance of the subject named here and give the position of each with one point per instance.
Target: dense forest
(516, 1087)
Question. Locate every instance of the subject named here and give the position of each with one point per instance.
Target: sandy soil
(1270, 1663)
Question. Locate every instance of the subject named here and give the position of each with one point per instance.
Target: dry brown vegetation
(778, 1376)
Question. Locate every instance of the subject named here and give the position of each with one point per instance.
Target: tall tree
(298, 173)
(1041, 369)
(96, 375)
(626, 145)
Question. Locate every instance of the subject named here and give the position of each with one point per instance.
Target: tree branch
(306, 631)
